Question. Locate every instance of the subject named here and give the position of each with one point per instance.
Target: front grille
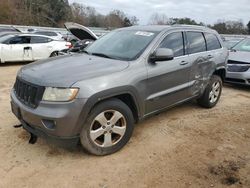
(235, 68)
(29, 94)
(237, 62)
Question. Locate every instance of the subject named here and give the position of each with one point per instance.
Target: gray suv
(95, 98)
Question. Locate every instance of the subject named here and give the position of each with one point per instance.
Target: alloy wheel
(108, 128)
(215, 92)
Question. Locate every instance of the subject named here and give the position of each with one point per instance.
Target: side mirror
(232, 50)
(162, 54)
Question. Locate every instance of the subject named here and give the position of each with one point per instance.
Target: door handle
(210, 56)
(183, 63)
(27, 48)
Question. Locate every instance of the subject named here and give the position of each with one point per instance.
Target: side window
(15, 40)
(37, 39)
(212, 41)
(174, 41)
(20, 40)
(196, 42)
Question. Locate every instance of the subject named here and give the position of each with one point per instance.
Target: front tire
(108, 128)
(212, 93)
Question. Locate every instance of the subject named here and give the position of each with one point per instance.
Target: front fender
(107, 94)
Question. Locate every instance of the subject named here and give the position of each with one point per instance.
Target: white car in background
(29, 47)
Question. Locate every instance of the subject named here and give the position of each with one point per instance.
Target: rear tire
(212, 93)
(108, 128)
(54, 54)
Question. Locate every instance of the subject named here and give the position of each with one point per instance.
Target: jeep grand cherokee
(131, 73)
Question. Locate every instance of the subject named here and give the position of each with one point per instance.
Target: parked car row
(43, 44)
(36, 45)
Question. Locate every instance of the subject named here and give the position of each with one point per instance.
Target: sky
(209, 11)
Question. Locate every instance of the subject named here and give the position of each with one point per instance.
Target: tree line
(222, 26)
(55, 13)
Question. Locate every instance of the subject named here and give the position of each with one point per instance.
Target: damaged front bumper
(58, 123)
(36, 132)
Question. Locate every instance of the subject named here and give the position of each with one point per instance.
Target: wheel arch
(126, 97)
(55, 51)
(127, 94)
(221, 72)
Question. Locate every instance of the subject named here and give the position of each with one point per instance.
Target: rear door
(41, 47)
(199, 58)
(168, 81)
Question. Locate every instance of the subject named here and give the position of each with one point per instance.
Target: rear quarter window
(20, 40)
(196, 42)
(38, 39)
(213, 42)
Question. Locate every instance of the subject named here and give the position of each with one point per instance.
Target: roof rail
(185, 25)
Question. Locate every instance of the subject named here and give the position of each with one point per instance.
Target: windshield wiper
(102, 55)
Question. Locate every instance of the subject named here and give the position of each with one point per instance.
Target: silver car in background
(238, 70)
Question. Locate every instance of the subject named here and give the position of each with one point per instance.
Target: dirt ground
(186, 146)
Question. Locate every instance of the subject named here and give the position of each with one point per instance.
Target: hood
(239, 56)
(64, 71)
(80, 31)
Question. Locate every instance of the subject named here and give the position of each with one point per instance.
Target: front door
(168, 81)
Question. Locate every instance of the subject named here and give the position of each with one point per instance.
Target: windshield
(231, 43)
(124, 44)
(243, 46)
(5, 38)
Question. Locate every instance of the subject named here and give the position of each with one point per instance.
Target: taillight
(69, 45)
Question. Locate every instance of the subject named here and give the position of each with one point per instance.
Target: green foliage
(88, 16)
(230, 27)
(4, 11)
(186, 21)
(34, 12)
(222, 27)
(55, 12)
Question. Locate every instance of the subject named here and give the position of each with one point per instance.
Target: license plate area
(16, 110)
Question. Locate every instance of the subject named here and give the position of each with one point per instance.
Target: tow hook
(33, 139)
(18, 126)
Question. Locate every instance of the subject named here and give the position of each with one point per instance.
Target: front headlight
(59, 94)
